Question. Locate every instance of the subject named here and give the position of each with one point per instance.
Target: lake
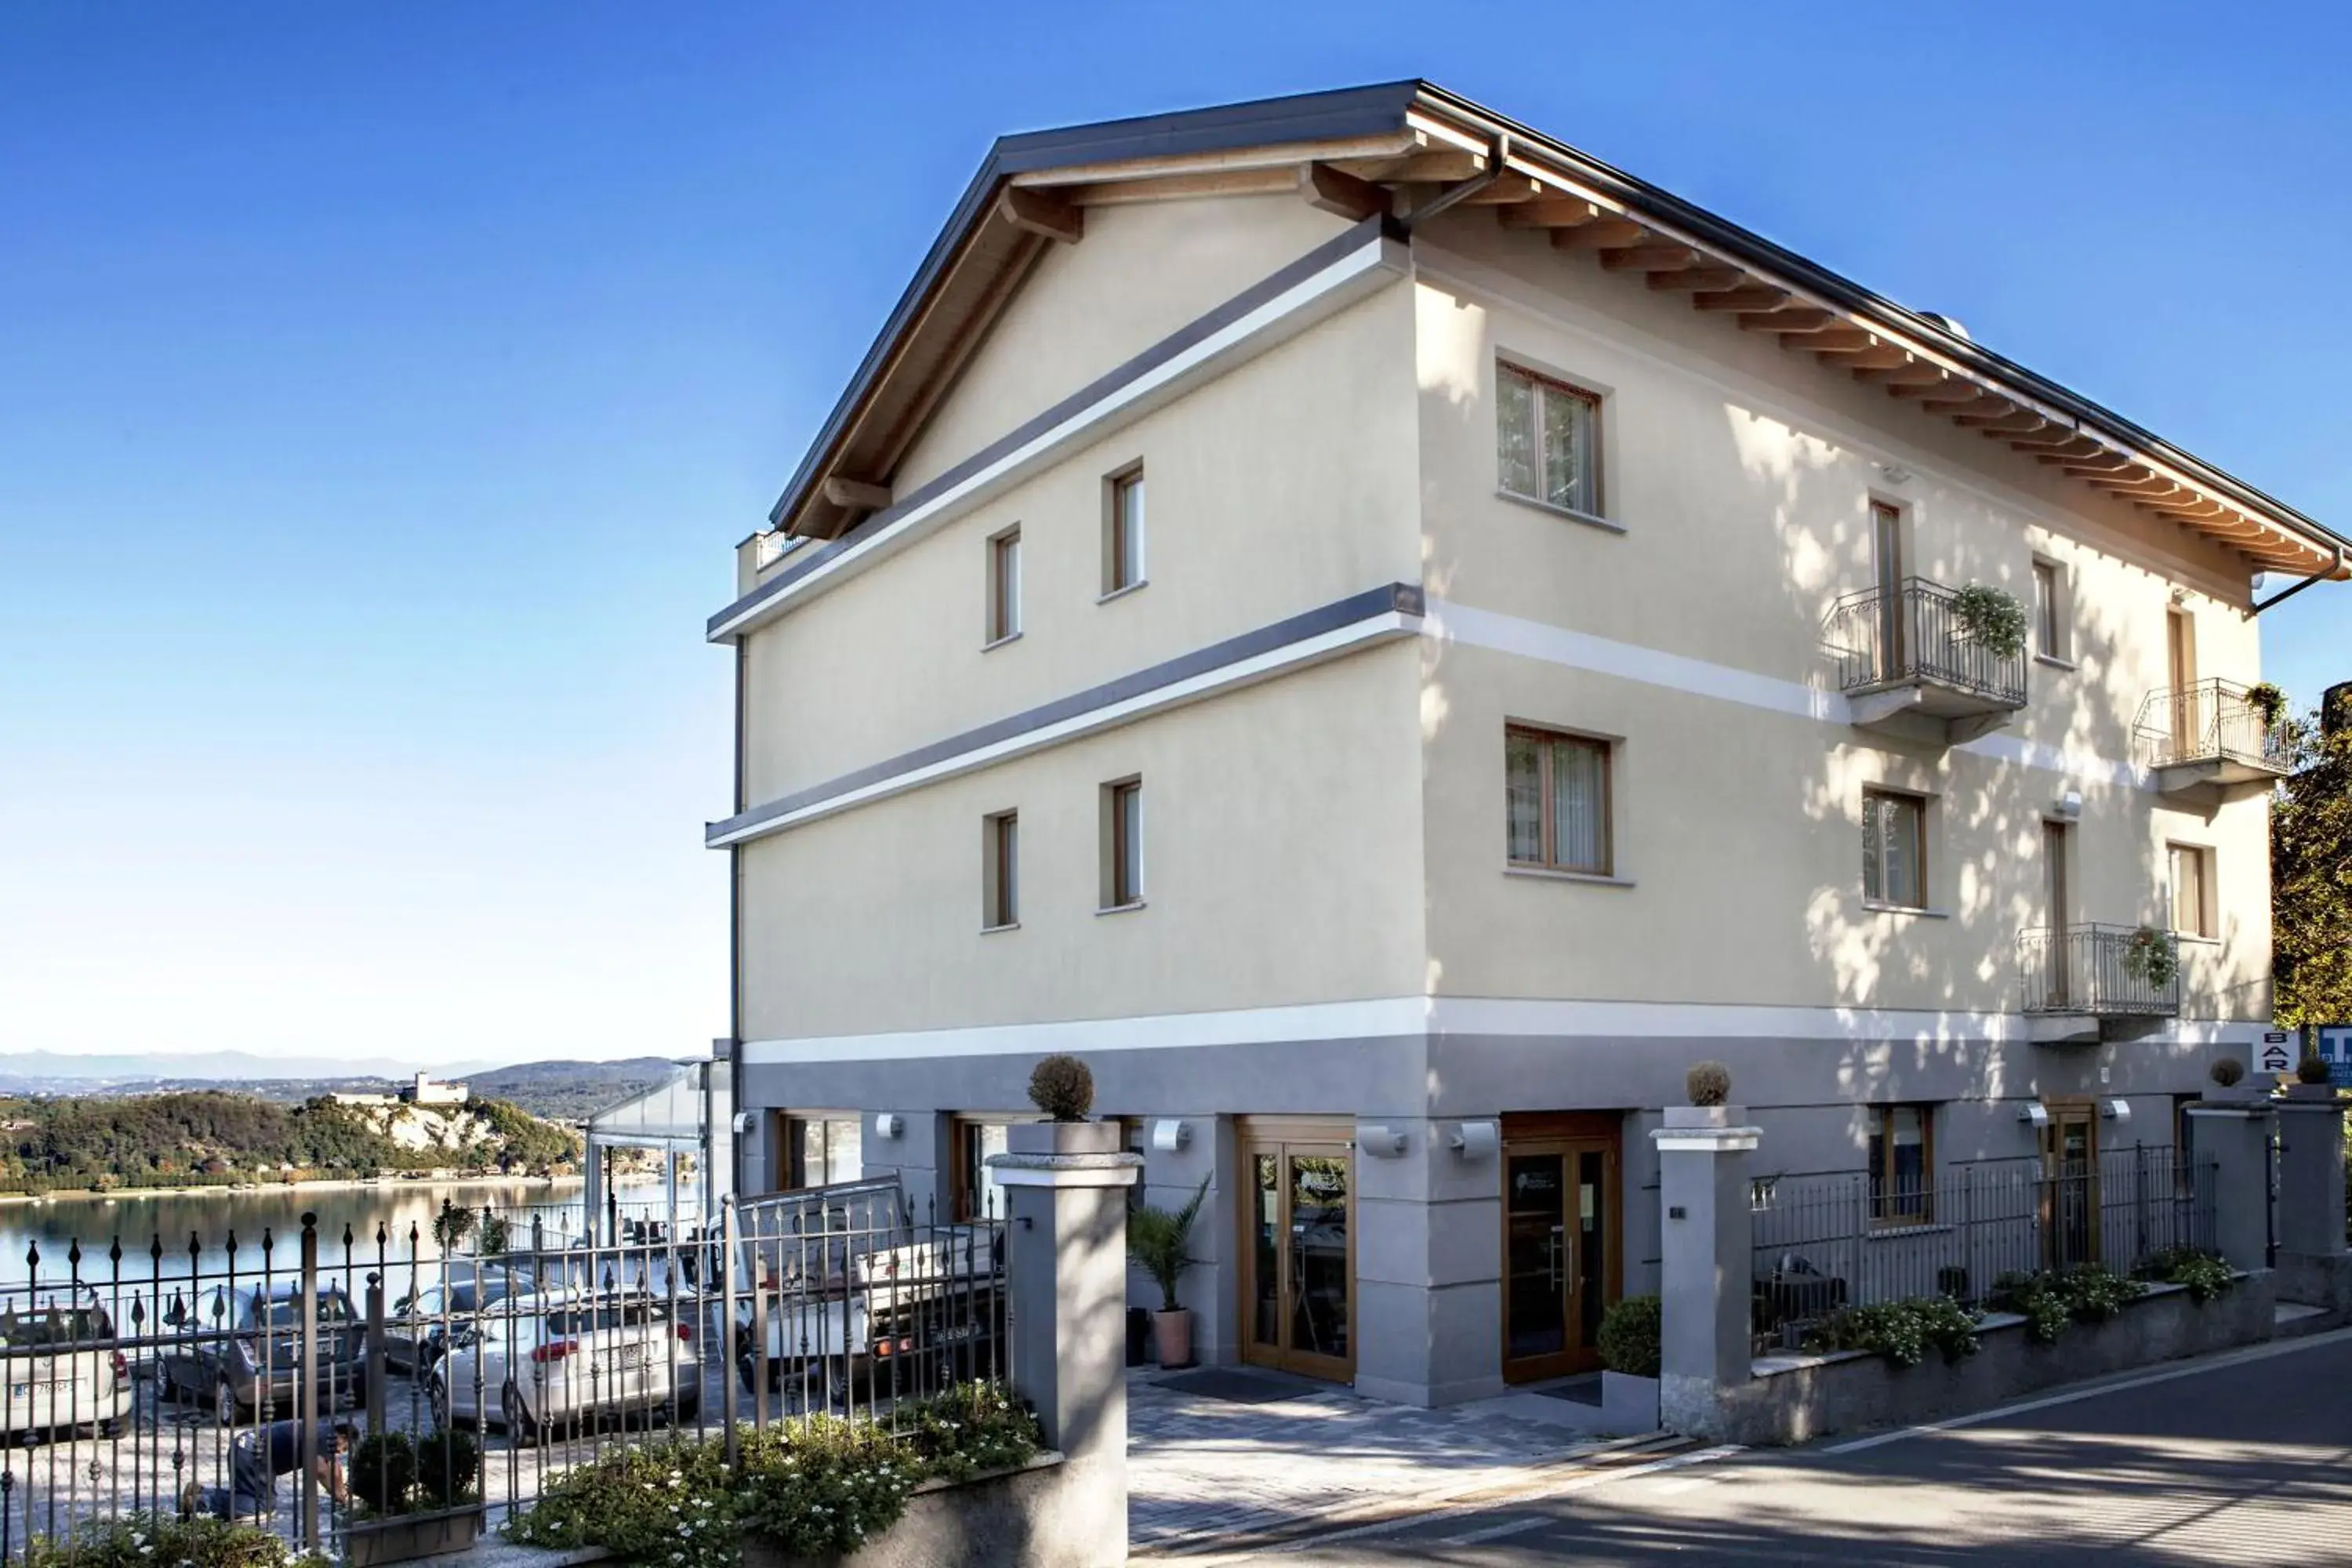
(213, 1216)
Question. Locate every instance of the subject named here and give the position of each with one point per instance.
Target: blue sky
(382, 390)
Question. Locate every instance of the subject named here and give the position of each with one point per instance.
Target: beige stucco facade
(1340, 615)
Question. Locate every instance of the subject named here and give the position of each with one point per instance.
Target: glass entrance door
(1559, 1254)
(1298, 1284)
(2070, 1168)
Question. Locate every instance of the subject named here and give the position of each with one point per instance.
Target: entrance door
(2070, 1173)
(1886, 548)
(2056, 838)
(1299, 1266)
(1560, 1257)
(2180, 668)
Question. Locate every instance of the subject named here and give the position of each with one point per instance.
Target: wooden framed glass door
(1561, 1254)
(2070, 1183)
(1298, 1251)
(2056, 841)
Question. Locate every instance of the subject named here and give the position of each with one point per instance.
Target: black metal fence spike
(114, 1253)
(33, 1255)
(155, 1249)
(73, 1253)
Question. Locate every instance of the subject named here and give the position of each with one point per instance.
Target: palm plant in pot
(1160, 1241)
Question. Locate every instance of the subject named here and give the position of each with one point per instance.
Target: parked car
(60, 1369)
(555, 1359)
(417, 1326)
(253, 1358)
(921, 1314)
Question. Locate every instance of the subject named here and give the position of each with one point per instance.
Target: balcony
(2097, 982)
(2208, 734)
(1905, 662)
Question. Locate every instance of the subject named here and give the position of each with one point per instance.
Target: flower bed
(146, 1539)
(820, 1486)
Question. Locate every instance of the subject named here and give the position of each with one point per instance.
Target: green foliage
(2268, 702)
(2152, 955)
(525, 1141)
(2226, 1072)
(384, 1471)
(1062, 1087)
(1708, 1083)
(1160, 1243)
(2048, 1302)
(452, 1226)
(1629, 1336)
(2311, 1070)
(1991, 619)
(2311, 878)
(1902, 1331)
(448, 1464)
(2205, 1275)
(161, 1540)
(817, 1486)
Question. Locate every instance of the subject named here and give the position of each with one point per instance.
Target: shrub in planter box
(147, 1540)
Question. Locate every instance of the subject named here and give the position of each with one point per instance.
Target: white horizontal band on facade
(1501, 633)
(1352, 277)
(1388, 627)
(1395, 1016)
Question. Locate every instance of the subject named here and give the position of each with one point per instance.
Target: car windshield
(287, 1313)
(608, 1315)
(21, 1328)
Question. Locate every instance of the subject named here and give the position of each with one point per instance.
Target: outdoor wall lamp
(745, 1122)
(1381, 1143)
(2070, 804)
(2035, 1112)
(1170, 1136)
(2116, 1110)
(1477, 1140)
(889, 1124)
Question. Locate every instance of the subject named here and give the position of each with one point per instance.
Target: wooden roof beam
(1878, 353)
(1599, 234)
(1337, 191)
(1035, 212)
(1708, 277)
(1442, 168)
(1508, 190)
(1834, 338)
(2089, 463)
(1787, 319)
(1662, 257)
(1548, 212)
(1912, 372)
(1968, 400)
(1747, 297)
(2016, 422)
(857, 495)
(1945, 387)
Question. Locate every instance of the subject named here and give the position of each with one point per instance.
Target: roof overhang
(1410, 150)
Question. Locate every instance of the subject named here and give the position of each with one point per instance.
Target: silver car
(59, 1369)
(553, 1360)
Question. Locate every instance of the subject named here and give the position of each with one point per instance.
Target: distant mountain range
(564, 1091)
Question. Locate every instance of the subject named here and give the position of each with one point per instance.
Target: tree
(2311, 873)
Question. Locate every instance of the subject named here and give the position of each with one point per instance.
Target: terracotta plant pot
(1171, 1334)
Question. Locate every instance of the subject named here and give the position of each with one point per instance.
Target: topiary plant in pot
(1062, 1087)
(2226, 1072)
(1160, 1242)
(2313, 1069)
(1629, 1336)
(1708, 1084)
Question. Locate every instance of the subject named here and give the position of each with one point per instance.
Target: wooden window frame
(2208, 914)
(1883, 1120)
(1122, 844)
(1547, 816)
(1003, 622)
(792, 1125)
(1000, 872)
(2049, 621)
(1125, 549)
(1544, 385)
(1871, 795)
(963, 1130)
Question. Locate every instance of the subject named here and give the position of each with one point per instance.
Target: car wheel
(225, 1402)
(520, 1427)
(686, 1412)
(437, 1396)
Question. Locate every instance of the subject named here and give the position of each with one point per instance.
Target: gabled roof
(1411, 149)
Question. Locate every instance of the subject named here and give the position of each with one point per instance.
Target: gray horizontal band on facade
(1390, 600)
(1372, 232)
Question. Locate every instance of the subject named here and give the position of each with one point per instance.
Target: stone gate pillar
(2311, 1170)
(2231, 1138)
(1706, 1268)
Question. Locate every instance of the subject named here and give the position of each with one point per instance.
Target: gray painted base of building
(1028, 1518)
(2316, 1281)
(1799, 1399)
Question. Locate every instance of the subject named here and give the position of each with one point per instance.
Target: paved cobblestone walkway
(1203, 1471)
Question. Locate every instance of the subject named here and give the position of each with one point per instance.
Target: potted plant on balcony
(1160, 1243)
(2268, 702)
(1991, 619)
(2151, 955)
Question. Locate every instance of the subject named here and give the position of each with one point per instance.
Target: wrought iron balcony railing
(1915, 635)
(2208, 721)
(2101, 970)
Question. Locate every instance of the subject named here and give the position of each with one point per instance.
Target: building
(1547, 660)
(425, 1091)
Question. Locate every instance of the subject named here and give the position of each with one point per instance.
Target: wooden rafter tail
(1943, 388)
(1599, 234)
(1788, 319)
(1548, 212)
(1914, 373)
(1035, 212)
(2097, 463)
(1661, 257)
(2016, 422)
(1835, 337)
(1507, 191)
(1337, 191)
(1747, 297)
(1708, 278)
(1968, 400)
(1878, 353)
(2057, 440)
(1441, 168)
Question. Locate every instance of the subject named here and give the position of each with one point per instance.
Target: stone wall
(1004, 1520)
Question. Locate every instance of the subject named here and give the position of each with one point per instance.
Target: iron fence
(1829, 1241)
(1915, 633)
(2101, 971)
(2208, 720)
(216, 1376)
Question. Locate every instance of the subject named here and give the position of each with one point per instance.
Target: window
(2192, 891)
(817, 1150)
(1001, 870)
(1556, 794)
(2049, 609)
(1895, 850)
(1547, 440)
(1005, 586)
(1122, 834)
(1903, 1164)
(975, 1193)
(1123, 532)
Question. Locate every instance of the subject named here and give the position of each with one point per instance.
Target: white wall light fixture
(1477, 1140)
(1171, 1136)
(889, 1124)
(2034, 1111)
(2116, 1110)
(1381, 1143)
(2069, 805)
(745, 1122)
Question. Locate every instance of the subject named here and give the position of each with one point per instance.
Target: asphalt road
(2243, 1459)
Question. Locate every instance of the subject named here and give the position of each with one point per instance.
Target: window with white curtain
(1557, 800)
(1547, 440)
(2192, 900)
(1895, 848)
